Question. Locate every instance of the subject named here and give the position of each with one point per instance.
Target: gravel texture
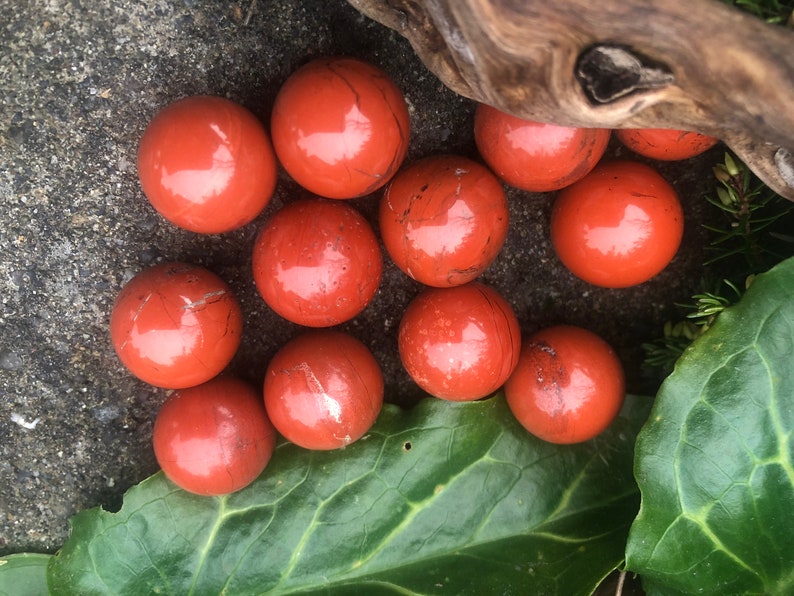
(79, 80)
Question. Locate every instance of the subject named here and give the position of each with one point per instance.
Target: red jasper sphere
(176, 325)
(568, 386)
(460, 343)
(619, 226)
(215, 438)
(665, 144)
(340, 127)
(323, 390)
(206, 164)
(443, 220)
(317, 262)
(533, 156)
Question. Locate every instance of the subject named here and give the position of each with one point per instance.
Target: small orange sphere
(215, 438)
(568, 385)
(459, 343)
(176, 325)
(533, 156)
(206, 164)
(618, 226)
(340, 127)
(444, 219)
(317, 262)
(664, 144)
(323, 390)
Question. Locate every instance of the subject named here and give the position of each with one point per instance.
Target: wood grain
(684, 64)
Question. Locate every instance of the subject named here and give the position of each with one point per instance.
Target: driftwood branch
(685, 64)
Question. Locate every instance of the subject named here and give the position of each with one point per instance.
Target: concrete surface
(79, 80)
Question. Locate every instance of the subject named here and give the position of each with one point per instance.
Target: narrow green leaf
(715, 462)
(24, 574)
(447, 498)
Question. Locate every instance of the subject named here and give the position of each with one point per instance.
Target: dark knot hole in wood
(608, 72)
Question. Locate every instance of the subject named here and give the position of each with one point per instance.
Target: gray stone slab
(79, 80)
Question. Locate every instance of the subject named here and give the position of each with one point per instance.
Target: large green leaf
(715, 460)
(447, 498)
(24, 574)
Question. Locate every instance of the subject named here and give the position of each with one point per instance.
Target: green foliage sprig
(750, 210)
(772, 11)
(662, 354)
(751, 237)
(708, 305)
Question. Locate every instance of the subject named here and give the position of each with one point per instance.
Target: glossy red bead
(176, 325)
(568, 386)
(206, 164)
(459, 343)
(444, 219)
(618, 226)
(665, 144)
(340, 127)
(317, 262)
(323, 390)
(534, 156)
(215, 438)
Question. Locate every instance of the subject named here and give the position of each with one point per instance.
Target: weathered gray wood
(686, 64)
